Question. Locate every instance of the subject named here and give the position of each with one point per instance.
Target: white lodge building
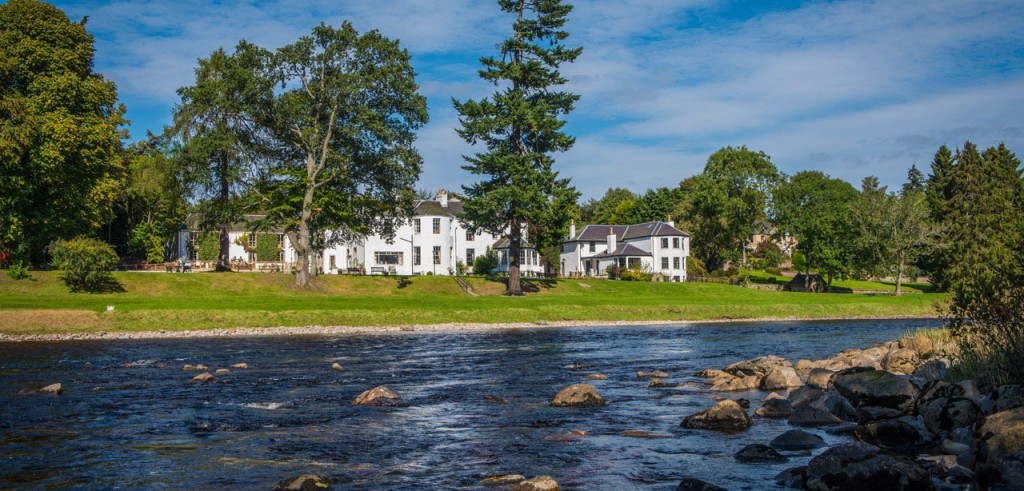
(658, 247)
(434, 241)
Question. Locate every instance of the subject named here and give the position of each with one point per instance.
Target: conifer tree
(520, 127)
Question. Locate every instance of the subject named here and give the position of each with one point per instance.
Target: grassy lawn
(762, 277)
(162, 301)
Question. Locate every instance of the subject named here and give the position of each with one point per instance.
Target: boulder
(55, 389)
(657, 383)
(379, 396)
(758, 367)
(923, 346)
(877, 394)
(944, 408)
(204, 377)
(712, 374)
(692, 484)
(859, 466)
(336, 367)
(774, 408)
(502, 480)
(820, 378)
(736, 384)
(1000, 446)
(781, 378)
(949, 447)
(305, 482)
(935, 369)
(222, 371)
(595, 376)
(1009, 397)
(804, 396)
(539, 483)
(578, 395)
(240, 366)
(805, 365)
(725, 416)
(201, 367)
(890, 434)
(792, 477)
(901, 361)
(797, 440)
(839, 406)
(654, 374)
(188, 368)
(812, 416)
(759, 454)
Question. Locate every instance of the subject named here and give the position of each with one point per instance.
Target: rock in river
(876, 393)
(578, 395)
(596, 376)
(1000, 447)
(539, 483)
(654, 374)
(781, 378)
(204, 377)
(890, 434)
(502, 480)
(860, 466)
(55, 389)
(759, 454)
(693, 484)
(796, 440)
(774, 408)
(379, 396)
(725, 416)
(305, 482)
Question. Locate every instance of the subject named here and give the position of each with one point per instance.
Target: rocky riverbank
(913, 429)
(336, 330)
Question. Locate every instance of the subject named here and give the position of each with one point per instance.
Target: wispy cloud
(848, 87)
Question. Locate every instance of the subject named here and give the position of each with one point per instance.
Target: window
(593, 246)
(675, 242)
(334, 263)
(437, 225)
(252, 241)
(416, 225)
(664, 242)
(387, 258)
(522, 256)
(469, 236)
(664, 263)
(675, 263)
(470, 257)
(280, 241)
(437, 250)
(634, 262)
(416, 256)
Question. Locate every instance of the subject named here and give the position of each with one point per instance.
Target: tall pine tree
(520, 127)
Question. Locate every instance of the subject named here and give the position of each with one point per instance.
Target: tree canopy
(520, 128)
(60, 131)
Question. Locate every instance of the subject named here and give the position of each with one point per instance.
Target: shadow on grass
(529, 285)
(101, 285)
(403, 281)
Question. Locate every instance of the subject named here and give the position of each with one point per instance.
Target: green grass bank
(194, 301)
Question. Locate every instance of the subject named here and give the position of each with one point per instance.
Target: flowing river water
(129, 416)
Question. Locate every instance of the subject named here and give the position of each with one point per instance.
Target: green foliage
(520, 127)
(266, 247)
(654, 205)
(800, 262)
(485, 263)
(815, 208)
(695, 267)
(614, 208)
(635, 274)
(337, 114)
(18, 271)
(86, 263)
(770, 255)
(209, 247)
(60, 131)
(773, 271)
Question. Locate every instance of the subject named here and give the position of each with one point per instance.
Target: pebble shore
(337, 330)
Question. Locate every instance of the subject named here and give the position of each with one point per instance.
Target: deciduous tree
(520, 129)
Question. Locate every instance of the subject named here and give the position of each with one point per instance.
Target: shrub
(635, 274)
(86, 263)
(483, 265)
(18, 271)
(266, 248)
(614, 272)
(209, 247)
(695, 267)
(774, 271)
(799, 261)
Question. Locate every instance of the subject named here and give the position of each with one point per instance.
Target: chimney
(670, 222)
(442, 197)
(611, 239)
(572, 229)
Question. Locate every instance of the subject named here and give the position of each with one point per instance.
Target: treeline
(969, 206)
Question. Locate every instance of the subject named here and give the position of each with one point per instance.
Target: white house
(658, 247)
(242, 243)
(434, 241)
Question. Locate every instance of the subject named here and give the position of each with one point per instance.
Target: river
(129, 416)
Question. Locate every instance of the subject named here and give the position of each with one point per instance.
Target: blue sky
(849, 88)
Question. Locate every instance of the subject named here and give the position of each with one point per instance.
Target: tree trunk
(223, 261)
(515, 238)
(899, 276)
(303, 243)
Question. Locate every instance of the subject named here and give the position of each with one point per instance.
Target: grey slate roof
(624, 250)
(503, 243)
(432, 207)
(599, 233)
